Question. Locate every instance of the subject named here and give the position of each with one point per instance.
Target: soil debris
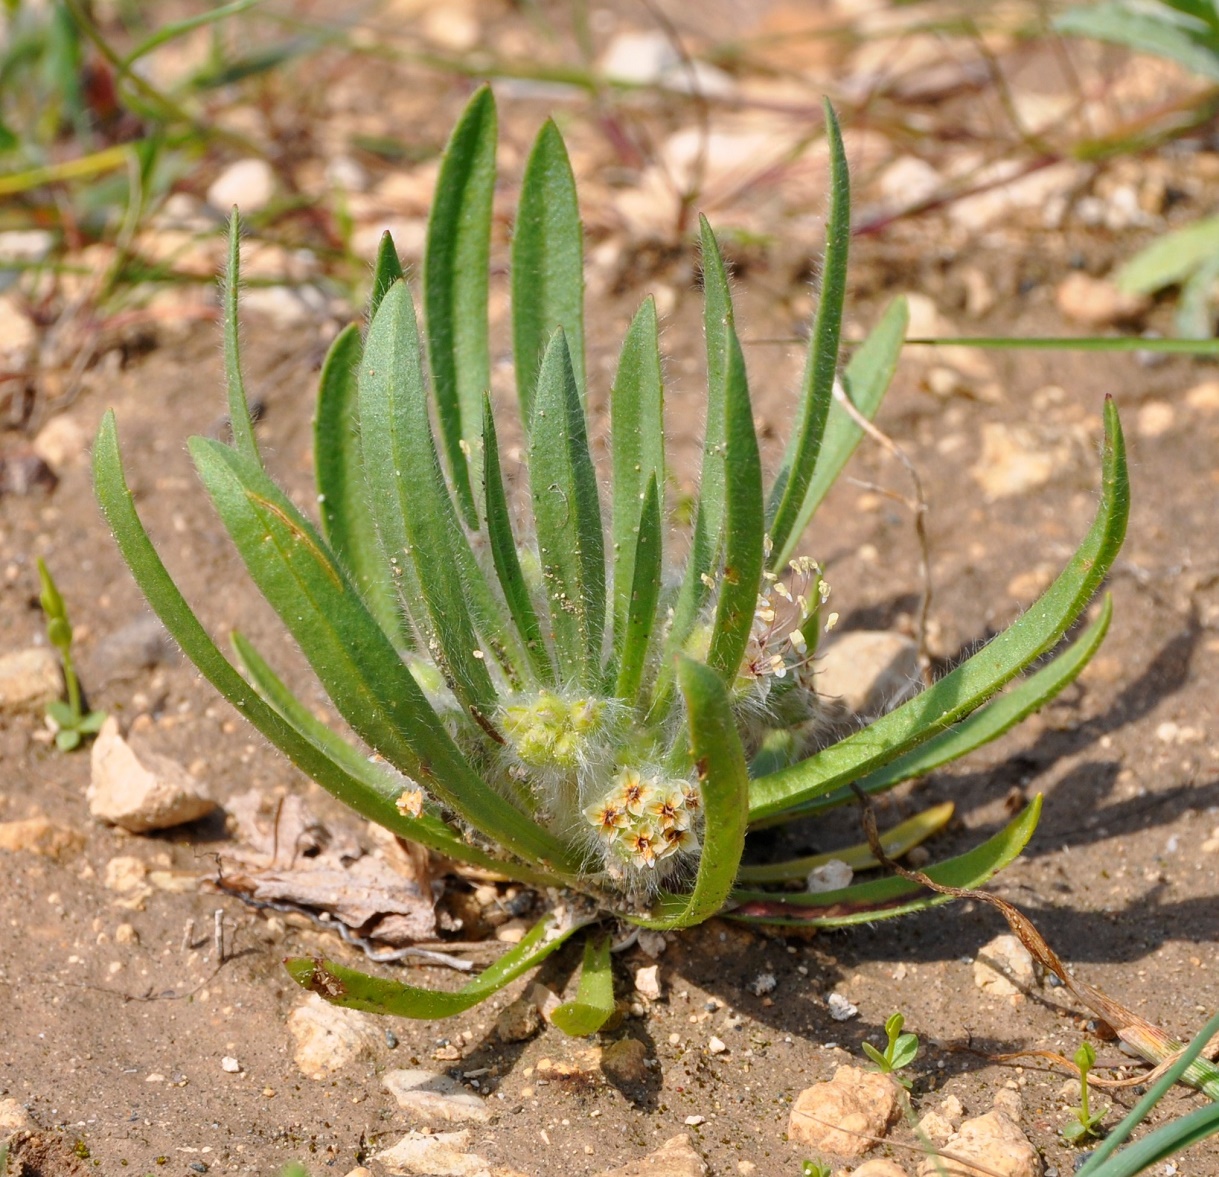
(846, 1115)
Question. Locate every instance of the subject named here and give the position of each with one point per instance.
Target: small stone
(546, 1000)
(1014, 461)
(40, 835)
(625, 1061)
(841, 1010)
(124, 872)
(763, 984)
(519, 1020)
(995, 1142)
(1004, 967)
(908, 181)
(126, 934)
(1154, 419)
(230, 1065)
(1008, 1101)
(440, 1154)
(450, 26)
(249, 184)
(360, 1171)
(952, 1111)
(716, 1046)
(24, 473)
(430, 1097)
(513, 932)
(1094, 302)
(647, 982)
(842, 1115)
(329, 1037)
(870, 671)
(29, 679)
(14, 1118)
(675, 1158)
(879, 1167)
(935, 1127)
(141, 792)
(1204, 397)
(651, 943)
(61, 442)
(829, 876)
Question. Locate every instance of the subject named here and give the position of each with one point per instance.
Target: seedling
(816, 1169)
(71, 722)
(1086, 1123)
(900, 1051)
(553, 703)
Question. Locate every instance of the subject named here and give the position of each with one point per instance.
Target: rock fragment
(844, 1115)
(440, 1154)
(141, 792)
(329, 1037)
(519, 1020)
(1004, 967)
(647, 982)
(1095, 302)
(625, 1061)
(675, 1158)
(870, 671)
(14, 1118)
(40, 835)
(995, 1142)
(879, 1167)
(433, 1097)
(29, 679)
(249, 184)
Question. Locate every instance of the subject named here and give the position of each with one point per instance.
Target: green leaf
(905, 1050)
(371, 788)
(504, 554)
(896, 842)
(386, 271)
(374, 800)
(347, 517)
(876, 1056)
(547, 267)
(970, 684)
(1169, 259)
(743, 532)
(709, 518)
(91, 724)
(362, 673)
(637, 433)
(719, 760)
(865, 381)
(1146, 31)
(791, 487)
(645, 594)
(1195, 315)
(456, 278)
(892, 896)
(985, 724)
(239, 407)
(354, 990)
(416, 515)
(567, 515)
(594, 1000)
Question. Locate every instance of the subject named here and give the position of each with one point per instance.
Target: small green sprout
(1086, 1123)
(72, 723)
(899, 1053)
(815, 1169)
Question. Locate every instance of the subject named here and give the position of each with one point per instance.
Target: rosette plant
(560, 704)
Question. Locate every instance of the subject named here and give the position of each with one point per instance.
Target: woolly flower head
(550, 731)
(645, 819)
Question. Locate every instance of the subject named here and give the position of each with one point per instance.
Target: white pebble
(717, 1046)
(230, 1064)
(841, 1010)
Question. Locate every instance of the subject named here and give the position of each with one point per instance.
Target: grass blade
(974, 681)
(637, 430)
(417, 517)
(896, 841)
(567, 514)
(719, 761)
(594, 1001)
(865, 381)
(354, 990)
(988, 723)
(456, 278)
(644, 596)
(347, 520)
(547, 267)
(883, 898)
(744, 525)
(239, 406)
(370, 788)
(1170, 258)
(504, 554)
(386, 271)
(791, 486)
(362, 673)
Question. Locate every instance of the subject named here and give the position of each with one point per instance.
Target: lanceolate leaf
(645, 593)
(547, 267)
(347, 520)
(791, 487)
(567, 514)
(882, 898)
(362, 673)
(418, 521)
(239, 408)
(594, 1001)
(456, 275)
(988, 723)
(343, 986)
(377, 804)
(864, 382)
(371, 789)
(504, 554)
(386, 271)
(719, 760)
(975, 680)
(742, 569)
(637, 430)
